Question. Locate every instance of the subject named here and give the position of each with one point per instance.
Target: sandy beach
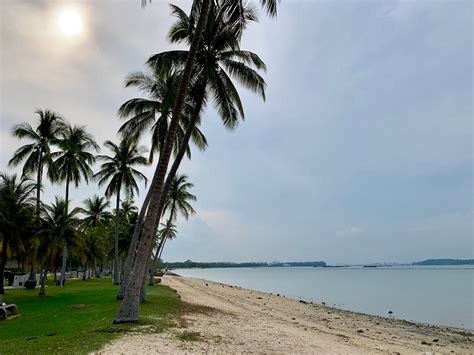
(236, 320)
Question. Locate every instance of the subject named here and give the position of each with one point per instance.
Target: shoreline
(334, 307)
(234, 319)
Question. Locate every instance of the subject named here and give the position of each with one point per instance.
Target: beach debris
(278, 294)
(390, 312)
(293, 318)
(303, 301)
(259, 298)
(207, 284)
(323, 303)
(435, 340)
(360, 331)
(425, 343)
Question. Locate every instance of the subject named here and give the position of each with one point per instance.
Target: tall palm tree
(72, 164)
(177, 202)
(16, 212)
(95, 211)
(58, 227)
(120, 173)
(129, 309)
(37, 154)
(153, 113)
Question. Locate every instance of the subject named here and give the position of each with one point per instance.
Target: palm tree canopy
(16, 205)
(218, 59)
(168, 231)
(49, 127)
(153, 113)
(74, 158)
(178, 198)
(57, 227)
(118, 169)
(95, 211)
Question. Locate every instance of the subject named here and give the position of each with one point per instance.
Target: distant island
(188, 264)
(445, 262)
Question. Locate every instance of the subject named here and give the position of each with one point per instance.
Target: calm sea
(435, 295)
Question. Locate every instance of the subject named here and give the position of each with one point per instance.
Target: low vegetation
(79, 317)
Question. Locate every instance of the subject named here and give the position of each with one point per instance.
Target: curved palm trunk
(129, 309)
(116, 251)
(156, 261)
(132, 250)
(64, 260)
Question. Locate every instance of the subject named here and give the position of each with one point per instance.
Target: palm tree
(95, 211)
(16, 212)
(58, 227)
(72, 164)
(119, 171)
(129, 310)
(153, 113)
(38, 153)
(177, 202)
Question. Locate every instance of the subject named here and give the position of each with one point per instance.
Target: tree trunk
(116, 245)
(44, 273)
(63, 266)
(39, 177)
(129, 309)
(3, 263)
(132, 251)
(85, 271)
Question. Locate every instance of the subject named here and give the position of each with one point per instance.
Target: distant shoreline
(224, 264)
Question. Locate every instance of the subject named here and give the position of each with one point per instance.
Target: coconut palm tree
(129, 310)
(177, 202)
(37, 154)
(58, 227)
(95, 211)
(120, 173)
(153, 113)
(72, 164)
(16, 214)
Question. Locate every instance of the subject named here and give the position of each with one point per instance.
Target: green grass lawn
(78, 318)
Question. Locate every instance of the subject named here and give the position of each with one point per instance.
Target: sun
(70, 22)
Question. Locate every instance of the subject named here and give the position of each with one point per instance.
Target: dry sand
(245, 321)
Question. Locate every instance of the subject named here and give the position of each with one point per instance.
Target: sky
(362, 152)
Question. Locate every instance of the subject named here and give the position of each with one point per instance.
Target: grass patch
(189, 336)
(78, 318)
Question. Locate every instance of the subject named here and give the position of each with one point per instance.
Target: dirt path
(245, 321)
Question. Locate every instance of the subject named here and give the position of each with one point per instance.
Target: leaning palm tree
(120, 173)
(16, 214)
(177, 202)
(129, 309)
(58, 227)
(72, 164)
(95, 211)
(153, 112)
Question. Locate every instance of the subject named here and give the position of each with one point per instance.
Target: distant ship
(370, 265)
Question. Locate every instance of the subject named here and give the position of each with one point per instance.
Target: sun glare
(70, 22)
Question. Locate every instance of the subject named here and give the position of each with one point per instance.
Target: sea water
(434, 295)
